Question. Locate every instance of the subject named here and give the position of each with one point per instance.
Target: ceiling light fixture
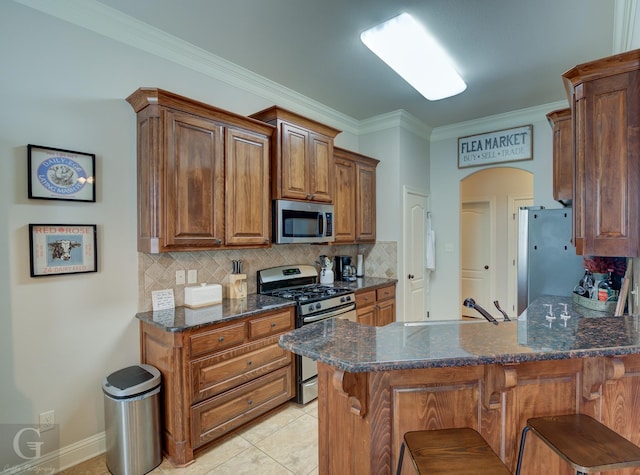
(407, 47)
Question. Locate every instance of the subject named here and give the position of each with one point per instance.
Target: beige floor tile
(295, 446)
(210, 459)
(250, 462)
(94, 466)
(311, 408)
(277, 421)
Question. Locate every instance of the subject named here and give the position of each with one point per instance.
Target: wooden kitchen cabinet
(219, 377)
(355, 197)
(560, 121)
(302, 156)
(376, 306)
(203, 175)
(606, 125)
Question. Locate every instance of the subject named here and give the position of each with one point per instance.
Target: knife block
(237, 287)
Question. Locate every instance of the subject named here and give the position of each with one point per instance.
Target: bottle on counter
(585, 286)
(605, 287)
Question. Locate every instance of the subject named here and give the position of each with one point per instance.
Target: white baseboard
(62, 458)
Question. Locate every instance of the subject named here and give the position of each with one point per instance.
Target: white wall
(445, 179)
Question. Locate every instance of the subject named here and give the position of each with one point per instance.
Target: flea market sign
(507, 145)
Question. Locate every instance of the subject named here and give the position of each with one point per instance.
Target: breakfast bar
(376, 383)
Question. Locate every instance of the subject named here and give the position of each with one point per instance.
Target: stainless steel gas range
(315, 302)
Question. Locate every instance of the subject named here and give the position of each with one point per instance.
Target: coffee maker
(340, 263)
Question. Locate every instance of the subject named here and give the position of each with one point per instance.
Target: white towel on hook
(430, 243)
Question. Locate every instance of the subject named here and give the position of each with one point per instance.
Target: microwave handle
(321, 223)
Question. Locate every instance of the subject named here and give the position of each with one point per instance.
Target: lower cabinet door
(221, 414)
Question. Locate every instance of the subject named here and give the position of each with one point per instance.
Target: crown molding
(396, 119)
(106, 21)
(494, 122)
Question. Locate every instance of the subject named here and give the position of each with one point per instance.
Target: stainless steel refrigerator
(547, 261)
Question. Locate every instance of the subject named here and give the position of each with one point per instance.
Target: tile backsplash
(158, 271)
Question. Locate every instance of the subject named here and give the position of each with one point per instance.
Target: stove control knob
(311, 308)
(343, 299)
(348, 298)
(318, 306)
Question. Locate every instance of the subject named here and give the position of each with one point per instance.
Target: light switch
(192, 276)
(180, 277)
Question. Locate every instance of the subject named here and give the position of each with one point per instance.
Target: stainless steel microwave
(302, 222)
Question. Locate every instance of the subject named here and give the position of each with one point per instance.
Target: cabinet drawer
(366, 298)
(218, 339)
(270, 325)
(386, 292)
(222, 414)
(215, 374)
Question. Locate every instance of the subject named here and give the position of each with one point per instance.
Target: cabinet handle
(220, 339)
(411, 276)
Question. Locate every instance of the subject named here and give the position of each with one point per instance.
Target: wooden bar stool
(584, 443)
(446, 451)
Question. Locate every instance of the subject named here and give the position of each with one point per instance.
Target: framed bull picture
(62, 249)
(57, 174)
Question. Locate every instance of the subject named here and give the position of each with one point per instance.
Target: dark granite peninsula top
(181, 318)
(356, 348)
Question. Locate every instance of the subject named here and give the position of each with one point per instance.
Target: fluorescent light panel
(406, 47)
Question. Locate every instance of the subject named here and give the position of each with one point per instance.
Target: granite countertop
(181, 318)
(355, 348)
(365, 283)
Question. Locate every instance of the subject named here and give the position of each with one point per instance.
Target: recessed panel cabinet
(355, 197)
(302, 156)
(376, 307)
(203, 175)
(218, 378)
(560, 121)
(606, 122)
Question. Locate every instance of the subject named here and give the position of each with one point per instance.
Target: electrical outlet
(46, 420)
(180, 277)
(192, 276)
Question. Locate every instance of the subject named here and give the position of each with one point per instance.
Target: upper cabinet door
(320, 168)
(561, 123)
(194, 195)
(247, 188)
(344, 203)
(302, 158)
(366, 203)
(295, 158)
(604, 96)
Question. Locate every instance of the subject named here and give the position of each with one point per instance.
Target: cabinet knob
(411, 276)
(219, 241)
(249, 363)
(273, 324)
(249, 402)
(486, 267)
(220, 339)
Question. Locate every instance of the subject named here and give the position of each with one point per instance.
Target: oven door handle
(334, 313)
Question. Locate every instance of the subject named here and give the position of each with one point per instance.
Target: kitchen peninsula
(376, 383)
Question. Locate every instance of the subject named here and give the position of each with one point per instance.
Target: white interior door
(477, 257)
(415, 275)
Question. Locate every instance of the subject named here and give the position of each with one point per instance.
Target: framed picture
(62, 249)
(508, 145)
(56, 174)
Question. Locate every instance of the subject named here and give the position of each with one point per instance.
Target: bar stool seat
(446, 451)
(584, 443)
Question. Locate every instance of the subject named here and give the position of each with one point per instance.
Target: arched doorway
(489, 202)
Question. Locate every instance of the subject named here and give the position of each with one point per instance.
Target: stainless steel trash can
(132, 420)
